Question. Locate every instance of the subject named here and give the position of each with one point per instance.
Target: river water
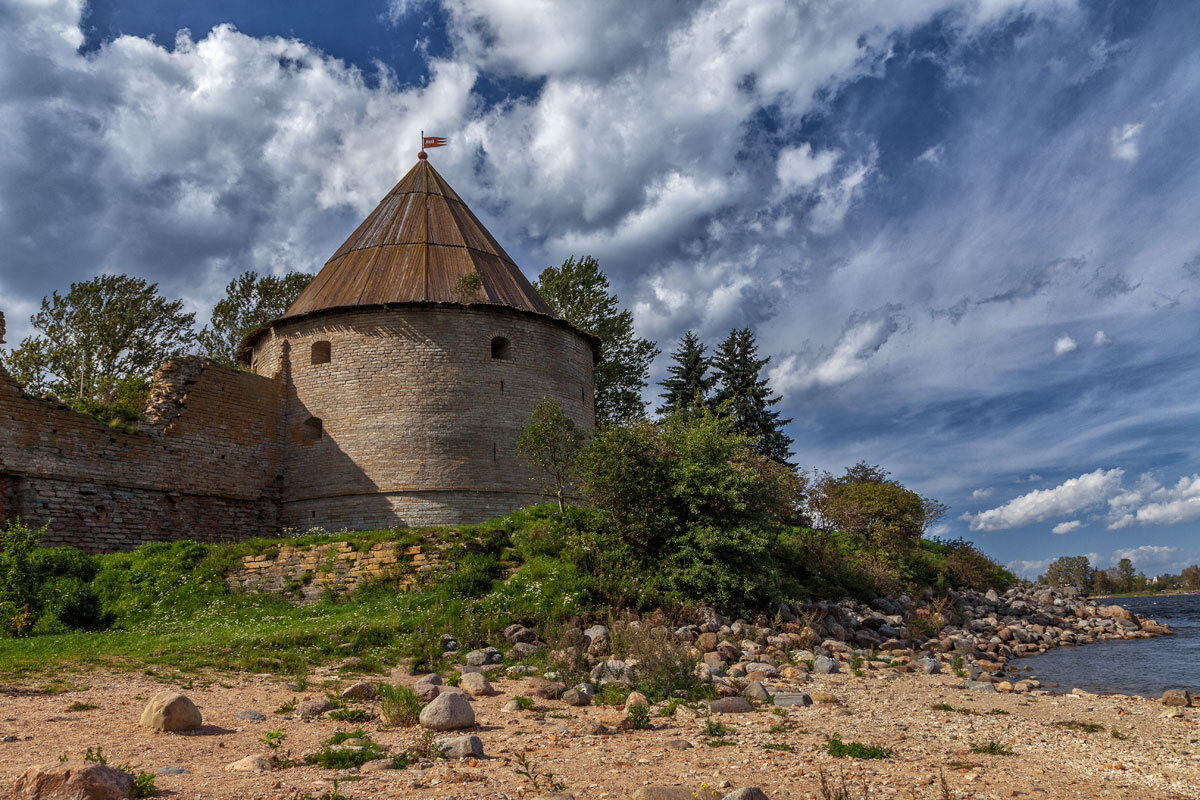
(1145, 667)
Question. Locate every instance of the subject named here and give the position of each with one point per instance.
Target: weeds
(273, 739)
(1116, 734)
(715, 730)
(639, 718)
(352, 715)
(346, 749)
(523, 703)
(781, 746)
(840, 789)
(992, 748)
(400, 705)
(537, 780)
(287, 708)
(839, 749)
(82, 706)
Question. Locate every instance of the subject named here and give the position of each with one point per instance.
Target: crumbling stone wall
(307, 572)
(204, 465)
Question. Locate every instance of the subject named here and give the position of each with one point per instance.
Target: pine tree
(688, 382)
(744, 394)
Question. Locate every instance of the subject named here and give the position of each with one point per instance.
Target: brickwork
(306, 573)
(412, 421)
(204, 465)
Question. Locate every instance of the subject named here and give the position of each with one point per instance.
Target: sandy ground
(1160, 758)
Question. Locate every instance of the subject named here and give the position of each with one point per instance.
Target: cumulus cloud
(1066, 527)
(799, 168)
(1124, 141)
(1064, 345)
(1158, 505)
(980, 494)
(1101, 339)
(1086, 491)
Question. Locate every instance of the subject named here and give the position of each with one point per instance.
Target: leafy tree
(98, 345)
(1190, 577)
(551, 443)
(250, 301)
(1126, 575)
(688, 382)
(745, 395)
(579, 293)
(689, 501)
(885, 518)
(1069, 571)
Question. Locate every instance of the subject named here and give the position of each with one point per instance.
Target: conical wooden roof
(414, 247)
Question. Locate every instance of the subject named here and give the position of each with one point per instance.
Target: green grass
(1082, 727)
(333, 756)
(82, 706)
(781, 746)
(839, 749)
(352, 715)
(992, 748)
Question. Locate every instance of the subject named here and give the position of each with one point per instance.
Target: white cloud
(1075, 494)
(1101, 339)
(939, 531)
(1064, 345)
(1029, 569)
(1124, 141)
(1066, 527)
(799, 168)
(861, 339)
(932, 155)
(1156, 505)
(980, 494)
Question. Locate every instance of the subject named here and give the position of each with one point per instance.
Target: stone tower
(406, 386)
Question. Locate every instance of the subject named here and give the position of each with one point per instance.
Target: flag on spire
(431, 141)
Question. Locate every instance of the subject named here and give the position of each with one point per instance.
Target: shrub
(992, 748)
(19, 584)
(639, 718)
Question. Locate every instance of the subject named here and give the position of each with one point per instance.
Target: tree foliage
(579, 293)
(97, 346)
(690, 499)
(250, 300)
(884, 517)
(551, 443)
(1069, 571)
(688, 382)
(742, 392)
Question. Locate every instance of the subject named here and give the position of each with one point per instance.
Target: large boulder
(1116, 612)
(171, 711)
(73, 781)
(251, 763)
(474, 684)
(448, 712)
(1177, 697)
(730, 705)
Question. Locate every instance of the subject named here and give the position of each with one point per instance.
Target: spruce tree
(744, 394)
(688, 381)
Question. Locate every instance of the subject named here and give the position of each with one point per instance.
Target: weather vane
(429, 141)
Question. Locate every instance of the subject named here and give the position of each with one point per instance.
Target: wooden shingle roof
(414, 247)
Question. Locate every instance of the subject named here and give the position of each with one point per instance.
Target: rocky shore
(907, 698)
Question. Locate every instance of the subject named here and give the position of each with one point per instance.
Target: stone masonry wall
(205, 464)
(307, 572)
(411, 421)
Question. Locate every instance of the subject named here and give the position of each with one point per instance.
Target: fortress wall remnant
(204, 465)
(409, 415)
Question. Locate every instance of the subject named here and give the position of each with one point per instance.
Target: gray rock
(747, 793)
(461, 747)
(730, 705)
(72, 781)
(574, 697)
(448, 712)
(979, 686)
(488, 655)
(612, 671)
(756, 691)
(313, 708)
(1177, 697)
(170, 769)
(785, 699)
(519, 633)
(823, 665)
(769, 670)
(377, 765)
(678, 744)
(524, 649)
(662, 793)
(253, 716)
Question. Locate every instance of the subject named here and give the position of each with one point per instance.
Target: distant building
(390, 394)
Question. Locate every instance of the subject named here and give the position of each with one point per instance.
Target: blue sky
(966, 231)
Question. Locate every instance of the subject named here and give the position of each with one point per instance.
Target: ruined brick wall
(411, 420)
(204, 465)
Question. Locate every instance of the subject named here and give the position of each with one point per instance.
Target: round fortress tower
(405, 396)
